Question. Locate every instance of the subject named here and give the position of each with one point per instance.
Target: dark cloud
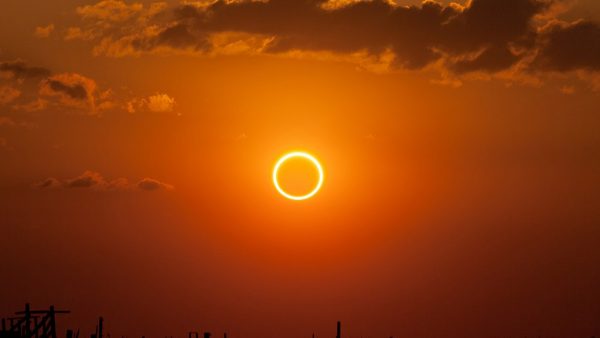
(150, 184)
(20, 70)
(75, 91)
(493, 23)
(418, 35)
(489, 36)
(49, 183)
(94, 180)
(87, 180)
(567, 47)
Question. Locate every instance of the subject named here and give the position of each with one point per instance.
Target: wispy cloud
(70, 92)
(92, 180)
(71, 89)
(150, 184)
(157, 103)
(20, 70)
(43, 31)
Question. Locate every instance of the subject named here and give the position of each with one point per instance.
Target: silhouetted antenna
(339, 330)
(100, 326)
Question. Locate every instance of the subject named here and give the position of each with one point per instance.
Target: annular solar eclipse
(295, 155)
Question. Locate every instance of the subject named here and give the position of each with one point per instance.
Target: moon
(303, 155)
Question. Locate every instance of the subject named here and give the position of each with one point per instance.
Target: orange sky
(460, 144)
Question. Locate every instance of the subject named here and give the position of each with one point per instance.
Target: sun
(298, 155)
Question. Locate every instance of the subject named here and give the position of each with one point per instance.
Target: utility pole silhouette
(100, 327)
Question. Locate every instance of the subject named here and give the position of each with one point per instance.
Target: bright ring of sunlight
(304, 155)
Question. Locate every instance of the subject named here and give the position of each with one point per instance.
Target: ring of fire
(303, 155)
